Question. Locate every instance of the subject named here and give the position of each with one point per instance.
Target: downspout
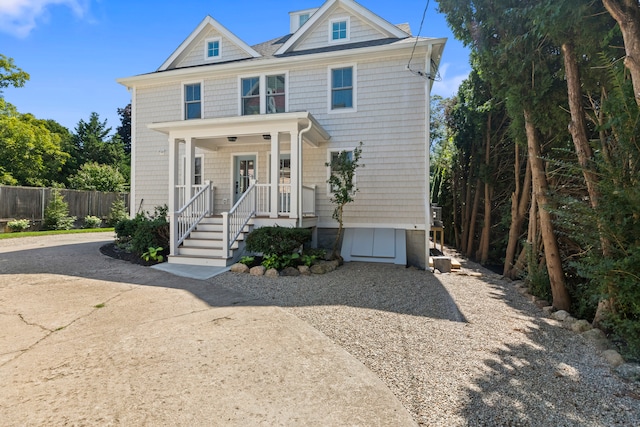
(427, 148)
(300, 134)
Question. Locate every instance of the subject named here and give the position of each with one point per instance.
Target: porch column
(190, 165)
(275, 174)
(295, 173)
(174, 145)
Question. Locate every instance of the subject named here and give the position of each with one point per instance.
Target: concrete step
(201, 252)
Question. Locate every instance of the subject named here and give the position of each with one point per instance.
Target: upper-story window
(213, 48)
(339, 30)
(255, 100)
(276, 94)
(192, 101)
(303, 18)
(250, 96)
(342, 92)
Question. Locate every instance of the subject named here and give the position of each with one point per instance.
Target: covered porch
(245, 170)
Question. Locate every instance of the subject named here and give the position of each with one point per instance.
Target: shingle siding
(195, 56)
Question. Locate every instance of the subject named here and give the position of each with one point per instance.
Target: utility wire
(413, 51)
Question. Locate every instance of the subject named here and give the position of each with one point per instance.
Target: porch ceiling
(250, 128)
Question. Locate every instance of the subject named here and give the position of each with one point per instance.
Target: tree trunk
(486, 229)
(467, 214)
(519, 203)
(561, 298)
(472, 220)
(627, 15)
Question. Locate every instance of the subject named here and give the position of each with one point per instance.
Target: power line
(418, 72)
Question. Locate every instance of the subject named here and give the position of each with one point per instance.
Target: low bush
(91, 221)
(144, 231)
(117, 213)
(19, 225)
(277, 240)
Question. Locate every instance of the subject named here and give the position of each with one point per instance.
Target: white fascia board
(265, 65)
(357, 9)
(195, 33)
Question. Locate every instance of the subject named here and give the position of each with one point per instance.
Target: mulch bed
(113, 251)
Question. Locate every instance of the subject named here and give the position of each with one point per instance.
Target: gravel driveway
(456, 350)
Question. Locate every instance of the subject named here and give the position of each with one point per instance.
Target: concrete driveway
(89, 340)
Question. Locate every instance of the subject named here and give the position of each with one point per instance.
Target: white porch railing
(308, 200)
(263, 199)
(186, 219)
(234, 221)
(182, 197)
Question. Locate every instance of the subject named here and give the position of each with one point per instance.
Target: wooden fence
(30, 203)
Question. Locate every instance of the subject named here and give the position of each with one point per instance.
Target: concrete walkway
(88, 340)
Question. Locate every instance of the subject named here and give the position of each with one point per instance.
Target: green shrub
(277, 240)
(144, 232)
(91, 221)
(56, 214)
(18, 225)
(117, 213)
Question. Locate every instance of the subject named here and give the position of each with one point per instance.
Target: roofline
(363, 11)
(277, 62)
(208, 20)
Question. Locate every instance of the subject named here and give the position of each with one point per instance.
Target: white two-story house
(229, 135)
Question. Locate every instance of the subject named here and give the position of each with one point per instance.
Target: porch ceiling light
(232, 138)
(266, 136)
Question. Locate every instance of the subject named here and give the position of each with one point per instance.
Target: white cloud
(19, 17)
(448, 85)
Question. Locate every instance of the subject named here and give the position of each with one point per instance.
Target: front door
(244, 172)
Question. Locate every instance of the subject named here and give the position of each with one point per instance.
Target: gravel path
(456, 349)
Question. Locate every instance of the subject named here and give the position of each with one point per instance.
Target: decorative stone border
(322, 267)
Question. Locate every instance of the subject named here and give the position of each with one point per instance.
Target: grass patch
(53, 232)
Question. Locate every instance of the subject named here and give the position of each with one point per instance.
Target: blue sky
(75, 49)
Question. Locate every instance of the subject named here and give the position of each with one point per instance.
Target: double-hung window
(263, 94)
(250, 96)
(342, 88)
(192, 101)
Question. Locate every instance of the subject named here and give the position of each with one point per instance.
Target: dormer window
(339, 30)
(212, 49)
(304, 18)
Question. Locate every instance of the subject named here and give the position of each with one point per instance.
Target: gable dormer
(299, 18)
(209, 43)
(339, 22)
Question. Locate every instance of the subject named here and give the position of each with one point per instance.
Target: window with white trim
(303, 19)
(255, 100)
(342, 89)
(339, 30)
(250, 96)
(192, 101)
(213, 48)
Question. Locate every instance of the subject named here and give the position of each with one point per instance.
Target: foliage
(10, 74)
(56, 214)
(117, 213)
(124, 130)
(91, 221)
(343, 185)
(31, 154)
(277, 240)
(96, 177)
(153, 254)
(144, 231)
(271, 261)
(247, 260)
(19, 225)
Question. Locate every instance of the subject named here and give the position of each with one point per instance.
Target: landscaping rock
(258, 270)
(568, 322)
(560, 315)
(239, 268)
(272, 272)
(629, 371)
(581, 326)
(324, 267)
(597, 338)
(613, 358)
(304, 270)
(290, 271)
(548, 310)
(541, 303)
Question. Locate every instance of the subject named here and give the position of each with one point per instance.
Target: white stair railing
(238, 217)
(184, 221)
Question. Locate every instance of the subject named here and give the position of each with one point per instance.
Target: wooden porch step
(198, 260)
